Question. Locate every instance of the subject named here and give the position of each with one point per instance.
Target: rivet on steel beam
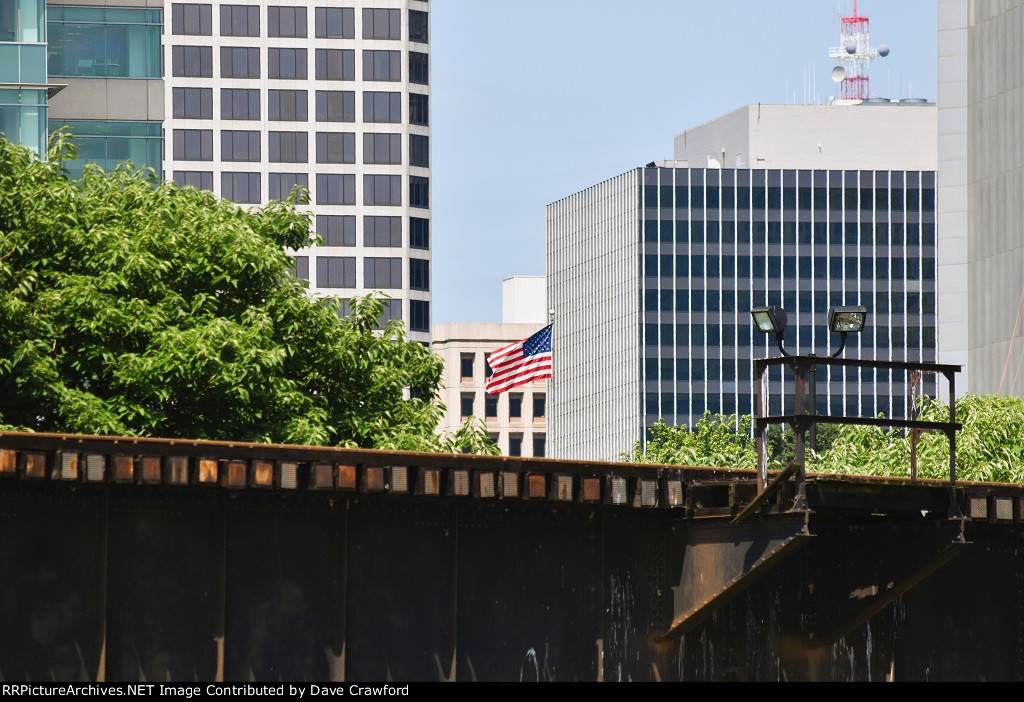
(563, 488)
(346, 476)
(590, 489)
(287, 475)
(373, 479)
(8, 461)
(978, 507)
(460, 483)
(124, 469)
(33, 464)
(176, 469)
(262, 474)
(536, 486)
(485, 486)
(428, 482)
(617, 490)
(208, 471)
(65, 466)
(509, 484)
(95, 467)
(398, 480)
(233, 473)
(321, 476)
(150, 470)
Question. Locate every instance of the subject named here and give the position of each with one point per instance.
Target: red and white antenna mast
(854, 55)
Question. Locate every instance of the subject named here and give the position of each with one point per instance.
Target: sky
(534, 100)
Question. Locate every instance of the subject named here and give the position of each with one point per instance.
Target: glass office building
(23, 72)
(653, 274)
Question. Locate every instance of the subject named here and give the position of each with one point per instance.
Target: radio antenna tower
(854, 55)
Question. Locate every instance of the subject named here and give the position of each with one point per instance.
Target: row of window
(340, 230)
(419, 310)
(725, 337)
(789, 198)
(289, 21)
(293, 64)
(730, 301)
(515, 444)
(680, 266)
(379, 273)
(789, 233)
(468, 401)
(293, 105)
(293, 147)
(331, 188)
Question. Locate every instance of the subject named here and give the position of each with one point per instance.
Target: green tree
(134, 307)
(714, 441)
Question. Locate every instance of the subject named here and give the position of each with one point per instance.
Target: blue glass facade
(717, 242)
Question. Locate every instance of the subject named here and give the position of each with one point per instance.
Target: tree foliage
(989, 447)
(135, 307)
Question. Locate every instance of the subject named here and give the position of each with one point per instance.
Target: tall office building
(981, 193)
(264, 97)
(652, 273)
(248, 101)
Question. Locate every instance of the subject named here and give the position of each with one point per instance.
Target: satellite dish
(850, 47)
(838, 74)
(883, 50)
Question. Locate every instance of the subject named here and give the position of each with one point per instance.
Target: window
(382, 107)
(419, 191)
(335, 147)
(196, 179)
(240, 20)
(466, 361)
(382, 273)
(240, 187)
(515, 406)
(105, 143)
(491, 406)
(288, 147)
(382, 190)
(239, 62)
(286, 64)
(335, 22)
(287, 105)
(335, 272)
(419, 233)
(286, 21)
(337, 230)
(392, 311)
(382, 65)
(193, 145)
(382, 148)
(103, 42)
(419, 68)
(419, 109)
(539, 445)
(236, 145)
(239, 103)
(539, 405)
(335, 106)
(382, 231)
(466, 405)
(281, 184)
(419, 150)
(301, 269)
(515, 444)
(335, 189)
(418, 26)
(419, 315)
(335, 64)
(419, 274)
(191, 19)
(382, 24)
(192, 61)
(192, 103)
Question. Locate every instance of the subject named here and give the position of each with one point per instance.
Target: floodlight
(770, 320)
(846, 320)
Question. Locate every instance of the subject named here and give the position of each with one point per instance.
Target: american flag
(520, 363)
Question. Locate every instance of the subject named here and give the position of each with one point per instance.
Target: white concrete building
(981, 193)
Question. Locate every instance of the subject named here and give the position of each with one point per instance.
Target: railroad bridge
(129, 559)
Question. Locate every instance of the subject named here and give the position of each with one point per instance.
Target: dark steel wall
(136, 582)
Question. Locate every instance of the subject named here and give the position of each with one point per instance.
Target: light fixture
(771, 320)
(321, 476)
(262, 474)
(398, 479)
(208, 471)
(95, 467)
(509, 484)
(234, 473)
(124, 469)
(346, 476)
(844, 320)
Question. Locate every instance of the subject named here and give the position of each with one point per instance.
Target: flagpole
(550, 393)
